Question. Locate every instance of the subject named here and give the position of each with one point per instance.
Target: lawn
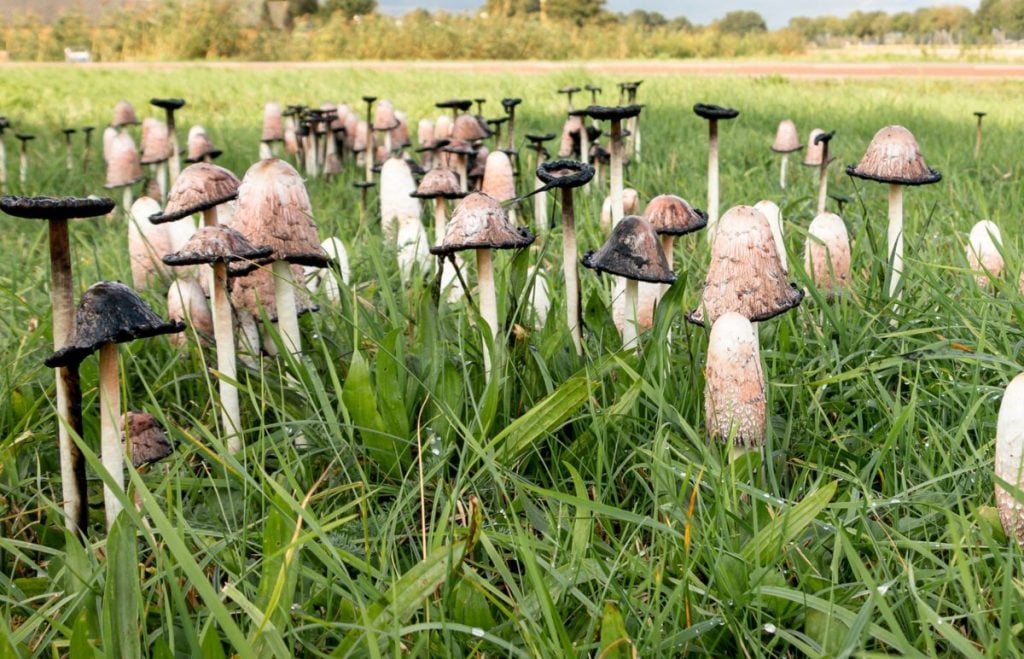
(569, 506)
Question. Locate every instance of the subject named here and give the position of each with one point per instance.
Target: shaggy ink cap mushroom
(439, 183)
(540, 139)
(510, 103)
(149, 443)
(714, 112)
(109, 312)
(219, 244)
(200, 146)
(124, 115)
(632, 251)
(168, 103)
(461, 104)
(893, 156)
(612, 112)
(55, 208)
(787, 140)
(672, 215)
(24, 137)
(199, 186)
(816, 148)
(564, 174)
(479, 222)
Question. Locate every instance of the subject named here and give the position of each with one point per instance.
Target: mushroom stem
(111, 452)
(24, 163)
(540, 201)
(977, 141)
(224, 336)
(629, 327)
(823, 178)
(287, 317)
(488, 298)
(127, 200)
(266, 151)
(511, 127)
(616, 174)
(712, 178)
(69, 401)
(460, 161)
(782, 170)
(895, 256)
(175, 167)
(69, 157)
(161, 180)
(667, 246)
(440, 220)
(571, 271)
(368, 157)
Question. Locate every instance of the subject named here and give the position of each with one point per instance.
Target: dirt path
(621, 67)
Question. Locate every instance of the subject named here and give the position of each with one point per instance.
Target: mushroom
(713, 114)
(461, 151)
(328, 280)
(479, 223)
(200, 148)
(510, 109)
(253, 295)
(57, 211)
(894, 157)
(69, 158)
(540, 202)
(827, 254)
(771, 211)
(977, 136)
(186, 302)
(817, 156)
(157, 150)
(397, 204)
(630, 204)
(25, 139)
(500, 181)
(569, 91)
(169, 106)
(745, 274)
(143, 439)
(634, 252)
(629, 90)
(734, 387)
(123, 168)
(984, 252)
(1009, 461)
(439, 185)
(615, 115)
(273, 129)
(124, 115)
(274, 210)
(218, 246)
(787, 140)
(368, 153)
(147, 243)
(109, 313)
(567, 175)
(200, 187)
(569, 146)
(673, 216)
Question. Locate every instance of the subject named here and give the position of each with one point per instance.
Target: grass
(573, 506)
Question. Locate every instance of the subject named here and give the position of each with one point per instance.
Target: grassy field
(573, 506)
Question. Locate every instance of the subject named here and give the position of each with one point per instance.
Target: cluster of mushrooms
(256, 253)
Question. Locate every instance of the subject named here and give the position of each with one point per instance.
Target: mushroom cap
(123, 166)
(509, 103)
(443, 127)
(273, 123)
(124, 114)
(213, 244)
(200, 146)
(384, 116)
(632, 251)
(746, 274)
(627, 86)
(613, 112)
(255, 291)
(68, 132)
(571, 89)
(168, 103)
(893, 156)
(156, 141)
(735, 405)
(25, 137)
(714, 112)
(827, 253)
(470, 128)
(499, 179)
(1009, 461)
(979, 114)
(274, 210)
(439, 183)
(109, 312)
(400, 133)
(816, 149)
(787, 139)
(983, 251)
(460, 147)
(361, 137)
(149, 444)
(198, 187)
(479, 222)
(424, 132)
(462, 104)
(397, 205)
(564, 173)
(55, 208)
(147, 243)
(673, 215)
(540, 139)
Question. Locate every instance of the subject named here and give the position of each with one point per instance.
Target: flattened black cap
(509, 103)
(24, 137)
(632, 251)
(168, 103)
(980, 114)
(55, 208)
(363, 184)
(564, 173)
(69, 131)
(569, 90)
(462, 104)
(710, 112)
(630, 85)
(369, 99)
(540, 139)
(613, 112)
(109, 312)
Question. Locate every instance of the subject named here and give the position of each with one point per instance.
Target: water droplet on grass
(769, 628)
(476, 631)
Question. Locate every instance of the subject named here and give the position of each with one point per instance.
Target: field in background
(577, 507)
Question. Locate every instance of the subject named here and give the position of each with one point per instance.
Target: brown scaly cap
(673, 215)
(274, 210)
(149, 443)
(439, 183)
(156, 141)
(384, 116)
(894, 157)
(200, 146)
(470, 128)
(632, 251)
(479, 222)
(734, 390)
(827, 254)
(55, 208)
(198, 187)
(123, 166)
(255, 291)
(109, 312)
(714, 112)
(217, 244)
(745, 274)
(787, 139)
(124, 115)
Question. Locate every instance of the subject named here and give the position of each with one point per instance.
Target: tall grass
(573, 506)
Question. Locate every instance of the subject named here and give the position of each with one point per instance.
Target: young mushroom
(123, 168)
(200, 148)
(827, 254)
(1009, 460)
(57, 211)
(187, 302)
(735, 405)
(984, 252)
(109, 313)
(713, 114)
(787, 140)
(894, 157)
(123, 115)
(500, 181)
(672, 216)
(156, 151)
(439, 185)
(771, 211)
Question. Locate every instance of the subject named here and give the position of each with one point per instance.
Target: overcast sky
(776, 12)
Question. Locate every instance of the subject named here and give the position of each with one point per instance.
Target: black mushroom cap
(572, 89)
(540, 139)
(109, 312)
(363, 184)
(824, 137)
(24, 137)
(462, 104)
(564, 173)
(613, 112)
(592, 88)
(368, 99)
(509, 103)
(88, 129)
(712, 112)
(627, 86)
(479, 222)
(980, 114)
(511, 153)
(69, 131)
(219, 244)
(55, 208)
(632, 251)
(434, 145)
(497, 121)
(168, 103)
(593, 132)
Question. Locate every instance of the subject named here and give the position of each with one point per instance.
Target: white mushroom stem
(224, 336)
(540, 202)
(823, 179)
(629, 327)
(895, 255)
(977, 141)
(571, 271)
(368, 156)
(287, 316)
(667, 245)
(635, 136)
(460, 167)
(265, 151)
(161, 180)
(618, 211)
(111, 452)
(782, 170)
(24, 163)
(127, 200)
(72, 468)
(440, 220)
(488, 299)
(175, 149)
(712, 178)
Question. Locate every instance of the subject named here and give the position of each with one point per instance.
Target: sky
(775, 12)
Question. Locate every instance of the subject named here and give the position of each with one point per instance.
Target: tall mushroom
(1009, 461)
(894, 157)
(500, 181)
(109, 313)
(735, 405)
(510, 109)
(57, 211)
(817, 156)
(123, 168)
(615, 115)
(673, 216)
(827, 254)
(633, 252)
(787, 140)
(984, 252)
(440, 185)
(713, 114)
(200, 188)
(629, 90)
(540, 202)
(977, 136)
(170, 105)
(156, 151)
(773, 213)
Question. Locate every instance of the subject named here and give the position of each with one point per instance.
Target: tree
(741, 22)
(500, 8)
(645, 19)
(576, 11)
(1004, 15)
(350, 7)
